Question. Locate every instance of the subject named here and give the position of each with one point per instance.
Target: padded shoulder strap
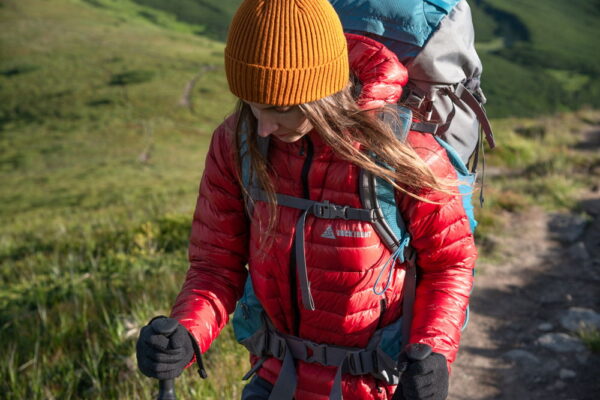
(379, 195)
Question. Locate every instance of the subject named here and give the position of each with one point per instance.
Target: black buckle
(327, 210)
(319, 353)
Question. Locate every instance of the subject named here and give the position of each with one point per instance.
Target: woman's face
(287, 124)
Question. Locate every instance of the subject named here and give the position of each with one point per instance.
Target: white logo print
(328, 234)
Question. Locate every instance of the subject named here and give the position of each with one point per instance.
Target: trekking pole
(166, 390)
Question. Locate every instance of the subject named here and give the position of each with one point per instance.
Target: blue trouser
(257, 389)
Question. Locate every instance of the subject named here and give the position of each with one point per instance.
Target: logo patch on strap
(328, 234)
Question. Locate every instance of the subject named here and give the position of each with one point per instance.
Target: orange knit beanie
(286, 52)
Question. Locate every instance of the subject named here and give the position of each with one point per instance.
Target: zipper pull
(302, 148)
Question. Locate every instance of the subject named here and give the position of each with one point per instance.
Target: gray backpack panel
(448, 58)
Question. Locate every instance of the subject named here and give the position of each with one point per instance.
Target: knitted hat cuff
(286, 86)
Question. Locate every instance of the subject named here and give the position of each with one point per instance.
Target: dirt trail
(517, 346)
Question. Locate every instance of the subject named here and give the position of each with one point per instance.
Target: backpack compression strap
(461, 93)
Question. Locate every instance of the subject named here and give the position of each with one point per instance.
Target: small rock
(521, 357)
(578, 251)
(567, 227)
(556, 386)
(567, 373)
(583, 358)
(578, 318)
(545, 327)
(549, 368)
(550, 297)
(560, 385)
(561, 343)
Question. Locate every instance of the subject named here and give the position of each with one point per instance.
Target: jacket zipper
(293, 272)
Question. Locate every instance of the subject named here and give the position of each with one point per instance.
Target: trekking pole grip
(166, 388)
(412, 352)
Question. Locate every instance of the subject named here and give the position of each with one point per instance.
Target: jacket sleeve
(446, 254)
(218, 245)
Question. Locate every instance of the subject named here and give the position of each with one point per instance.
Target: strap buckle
(413, 98)
(316, 353)
(327, 210)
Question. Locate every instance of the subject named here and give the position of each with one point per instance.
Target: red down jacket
(342, 269)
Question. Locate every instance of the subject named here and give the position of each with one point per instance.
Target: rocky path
(522, 342)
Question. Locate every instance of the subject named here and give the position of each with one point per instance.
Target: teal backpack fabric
(410, 21)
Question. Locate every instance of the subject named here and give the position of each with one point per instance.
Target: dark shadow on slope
(509, 27)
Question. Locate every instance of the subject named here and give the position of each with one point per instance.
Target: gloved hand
(424, 376)
(164, 348)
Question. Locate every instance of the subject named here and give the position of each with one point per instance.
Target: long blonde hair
(342, 124)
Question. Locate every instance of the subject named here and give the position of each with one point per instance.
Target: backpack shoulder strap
(379, 195)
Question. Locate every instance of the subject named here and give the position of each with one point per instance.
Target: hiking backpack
(434, 39)
(254, 330)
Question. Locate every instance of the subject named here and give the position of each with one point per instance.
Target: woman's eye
(283, 110)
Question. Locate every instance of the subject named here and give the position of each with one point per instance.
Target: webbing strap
(307, 299)
(320, 209)
(289, 348)
(323, 209)
(285, 386)
(424, 127)
(408, 300)
(462, 93)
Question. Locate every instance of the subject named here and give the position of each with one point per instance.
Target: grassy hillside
(538, 57)
(100, 163)
(99, 167)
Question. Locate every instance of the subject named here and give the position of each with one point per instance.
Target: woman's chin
(289, 137)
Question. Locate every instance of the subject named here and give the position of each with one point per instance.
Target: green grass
(100, 169)
(591, 338)
(538, 57)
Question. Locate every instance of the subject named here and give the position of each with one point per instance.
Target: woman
(287, 61)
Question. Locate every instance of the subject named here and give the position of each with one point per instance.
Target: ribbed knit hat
(286, 52)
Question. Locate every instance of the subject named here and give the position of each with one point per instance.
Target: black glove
(164, 348)
(424, 374)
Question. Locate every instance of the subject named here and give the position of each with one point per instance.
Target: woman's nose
(266, 127)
